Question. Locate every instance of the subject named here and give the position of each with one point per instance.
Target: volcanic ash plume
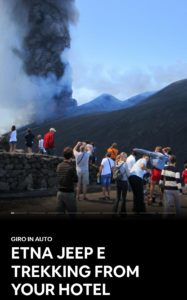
(40, 41)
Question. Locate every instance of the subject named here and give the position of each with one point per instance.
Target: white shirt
(13, 136)
(137, 170)
(41, 144)
(82, 159)
(107, 164)
(131, 160)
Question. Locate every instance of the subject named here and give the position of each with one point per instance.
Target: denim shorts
(105, 180)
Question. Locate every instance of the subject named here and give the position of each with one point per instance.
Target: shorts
(13, 142)
(83, 177)
(156, 175)
(106, 180)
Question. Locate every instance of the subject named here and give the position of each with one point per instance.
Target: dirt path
(95, 205)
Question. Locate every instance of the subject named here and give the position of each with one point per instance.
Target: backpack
(117, 174)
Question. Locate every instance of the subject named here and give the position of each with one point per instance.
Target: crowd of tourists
(134, 172)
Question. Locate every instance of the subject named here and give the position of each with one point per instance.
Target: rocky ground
(94, 206)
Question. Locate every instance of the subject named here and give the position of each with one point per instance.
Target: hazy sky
(125, 47)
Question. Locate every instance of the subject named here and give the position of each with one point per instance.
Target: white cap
(52, 129)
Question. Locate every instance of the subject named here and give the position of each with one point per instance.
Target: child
(41, 148)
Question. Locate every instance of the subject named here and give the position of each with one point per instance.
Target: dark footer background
(158, 247)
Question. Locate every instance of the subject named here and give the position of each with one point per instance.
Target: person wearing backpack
(121, 173)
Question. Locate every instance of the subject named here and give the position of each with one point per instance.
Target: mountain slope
(137, 99)
(160, 120)
(106, 103)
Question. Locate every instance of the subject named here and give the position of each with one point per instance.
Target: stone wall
(21, 172)
(27, 172)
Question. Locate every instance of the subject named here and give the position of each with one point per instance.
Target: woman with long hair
(121, 183)
(13, 139)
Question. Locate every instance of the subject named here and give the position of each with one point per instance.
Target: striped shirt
(170, 178)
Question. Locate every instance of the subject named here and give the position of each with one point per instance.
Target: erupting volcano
(43, 37)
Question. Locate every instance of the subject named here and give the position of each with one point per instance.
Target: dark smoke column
(46, 39)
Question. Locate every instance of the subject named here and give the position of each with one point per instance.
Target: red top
(184, 176)
(49, 140)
